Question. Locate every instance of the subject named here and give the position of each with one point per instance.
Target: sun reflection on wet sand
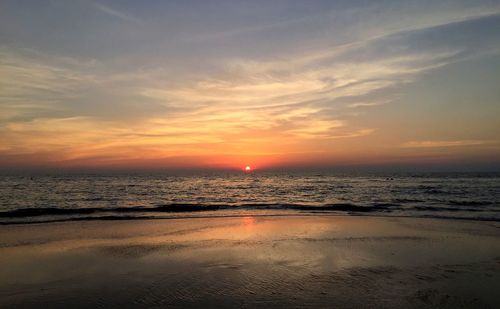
(248, 222)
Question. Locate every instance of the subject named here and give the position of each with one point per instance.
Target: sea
(74, 197)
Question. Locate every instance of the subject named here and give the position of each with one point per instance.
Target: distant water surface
(85, 197)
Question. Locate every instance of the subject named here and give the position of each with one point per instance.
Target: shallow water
(81, 197)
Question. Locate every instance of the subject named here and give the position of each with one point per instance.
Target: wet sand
(296, 261)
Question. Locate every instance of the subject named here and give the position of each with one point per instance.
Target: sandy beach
(262, 261)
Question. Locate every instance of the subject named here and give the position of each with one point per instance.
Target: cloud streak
(116, 13)
(440, 144)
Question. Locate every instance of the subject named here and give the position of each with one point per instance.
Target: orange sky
(122, 85)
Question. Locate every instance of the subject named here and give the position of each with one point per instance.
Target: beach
(252, 261)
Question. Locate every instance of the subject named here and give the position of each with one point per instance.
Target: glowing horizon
(194, 85)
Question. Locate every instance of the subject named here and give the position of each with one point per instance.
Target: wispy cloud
(116, 13)
(439, 144)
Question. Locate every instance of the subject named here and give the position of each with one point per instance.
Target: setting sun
(248, 168)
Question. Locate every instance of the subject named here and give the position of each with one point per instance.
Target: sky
(270, 84)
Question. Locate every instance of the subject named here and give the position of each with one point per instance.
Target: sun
(248, 168)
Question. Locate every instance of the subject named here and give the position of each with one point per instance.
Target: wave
(186, 207)
(435, 208)
(55, 214)
(54, 211)
(469, 203)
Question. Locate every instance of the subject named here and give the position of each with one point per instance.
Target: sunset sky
(225, 84)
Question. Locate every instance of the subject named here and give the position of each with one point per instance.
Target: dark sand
(315, 261)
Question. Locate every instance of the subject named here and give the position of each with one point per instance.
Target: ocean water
(27, 199)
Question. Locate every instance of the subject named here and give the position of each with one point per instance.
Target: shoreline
(254, 214)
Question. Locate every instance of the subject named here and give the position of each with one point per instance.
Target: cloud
(440, 144)
(116, 13)
(272, 95)
(32, 87)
